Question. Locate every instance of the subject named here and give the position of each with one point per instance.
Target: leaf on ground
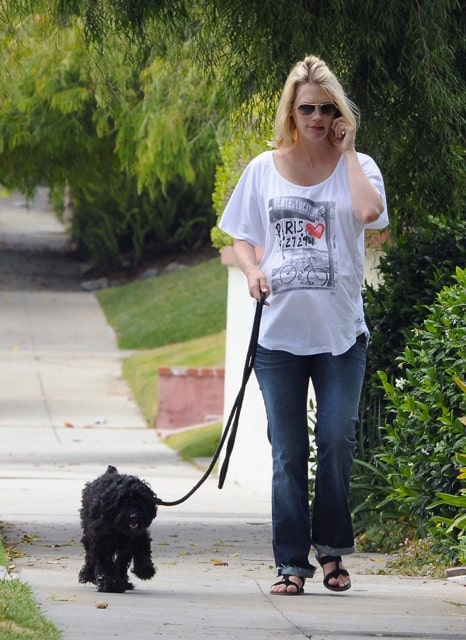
(29, 538)
(57, 598)
(57, 560)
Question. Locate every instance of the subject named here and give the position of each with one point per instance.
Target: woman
(307, 203)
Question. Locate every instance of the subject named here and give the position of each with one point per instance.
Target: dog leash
(233, 419)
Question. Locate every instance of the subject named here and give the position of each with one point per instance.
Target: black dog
(116, 512)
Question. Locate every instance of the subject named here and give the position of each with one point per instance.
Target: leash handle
(233, 418)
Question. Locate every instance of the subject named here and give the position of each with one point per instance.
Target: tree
(402, 62)
(47, 111)
(135, 141)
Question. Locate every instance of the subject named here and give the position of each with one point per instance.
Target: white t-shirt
(313, 254)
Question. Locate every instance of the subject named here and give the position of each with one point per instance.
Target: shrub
(426, 433)
(454, 529)
(413, 270)
(109, 222)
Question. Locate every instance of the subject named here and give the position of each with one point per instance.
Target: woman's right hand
(258, 286)
(245, 255)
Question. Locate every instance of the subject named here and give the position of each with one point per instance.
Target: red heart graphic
(315, 230)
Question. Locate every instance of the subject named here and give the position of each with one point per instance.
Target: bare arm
(366, 201)
(245, 255)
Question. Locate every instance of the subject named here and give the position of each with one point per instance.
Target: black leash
(233, 418)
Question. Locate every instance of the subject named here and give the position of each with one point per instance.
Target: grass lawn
(20, 616)
(192, 444)
(168, 309)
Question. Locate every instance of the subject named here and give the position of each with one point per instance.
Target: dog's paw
(144, 571)
(105, 584)
(86, 574)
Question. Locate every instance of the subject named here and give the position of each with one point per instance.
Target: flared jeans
(337, 381)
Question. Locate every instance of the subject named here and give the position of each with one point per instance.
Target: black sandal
(336, 573)
(289, 583)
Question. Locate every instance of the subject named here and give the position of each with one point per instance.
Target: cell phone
(331, 134)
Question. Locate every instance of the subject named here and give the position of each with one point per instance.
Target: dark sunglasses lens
(328, 109)
(306, 109)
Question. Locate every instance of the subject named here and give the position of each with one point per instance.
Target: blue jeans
(337, 380)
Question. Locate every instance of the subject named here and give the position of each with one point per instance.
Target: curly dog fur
(116, 512)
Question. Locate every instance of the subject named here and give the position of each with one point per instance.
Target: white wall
(250, 463)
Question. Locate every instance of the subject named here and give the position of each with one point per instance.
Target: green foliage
(20, 616)
(46, 107)
(376, 510)
(133, 141)
(193, 444)
(454, 528)
(166, 147)
(311, 420)
(247, 141)
(170, 130)
(426, 405)
(124, 220)
(413, 269)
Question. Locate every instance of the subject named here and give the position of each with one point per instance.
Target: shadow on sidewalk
(32, 270)
(34, 248)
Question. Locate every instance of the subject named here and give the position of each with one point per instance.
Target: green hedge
(426, 433)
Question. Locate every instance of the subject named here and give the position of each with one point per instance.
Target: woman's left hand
(343, 134)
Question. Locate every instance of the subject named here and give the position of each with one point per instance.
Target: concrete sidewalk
(66, 413)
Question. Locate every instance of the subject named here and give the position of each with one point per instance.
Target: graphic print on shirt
(304, 230)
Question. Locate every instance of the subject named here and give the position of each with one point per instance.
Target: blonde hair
(311, 70)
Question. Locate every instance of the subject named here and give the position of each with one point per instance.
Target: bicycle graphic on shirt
(306, 271)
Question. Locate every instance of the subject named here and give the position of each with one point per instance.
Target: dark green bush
(426, 405)
(109, 222)
(413, 269)
(454, 529)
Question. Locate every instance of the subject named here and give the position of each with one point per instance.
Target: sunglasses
(327, 109)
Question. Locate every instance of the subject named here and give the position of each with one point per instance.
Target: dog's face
(135, 509)
(134, 517)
